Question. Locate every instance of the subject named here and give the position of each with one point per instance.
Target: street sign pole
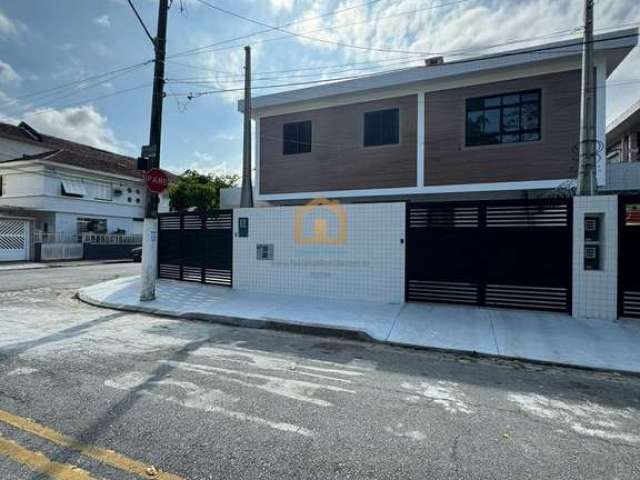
(150, 230)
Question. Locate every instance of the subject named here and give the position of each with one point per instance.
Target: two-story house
(55, 186)
(497, 126)
(623, 151)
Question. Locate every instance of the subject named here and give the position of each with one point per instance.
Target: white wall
(368, 266)
(595, 292)
(18, 182)
(11, 149)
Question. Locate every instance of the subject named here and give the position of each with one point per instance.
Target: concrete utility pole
(150, 231)
(246, 195)
(587, 167)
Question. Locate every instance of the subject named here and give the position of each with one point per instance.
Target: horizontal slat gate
(629, 256)
(512, 254)
(196, 247)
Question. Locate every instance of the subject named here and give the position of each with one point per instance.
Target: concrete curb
(62, 264)
(350, 334)
(272, 324)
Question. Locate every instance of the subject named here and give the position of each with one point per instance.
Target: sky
(49, 48)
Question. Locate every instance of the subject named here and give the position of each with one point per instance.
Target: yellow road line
(105, 456)
(38, 462)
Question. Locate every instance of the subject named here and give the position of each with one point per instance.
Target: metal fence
(111, 239)
(500, 253)
(41, 237)
(95, 238)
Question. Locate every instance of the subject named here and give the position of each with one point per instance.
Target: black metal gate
(196, 247)
(629, 256)
(512, 254)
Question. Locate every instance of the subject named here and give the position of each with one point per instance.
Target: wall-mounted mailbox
(264, 251)
(592, 257)
(591, 228)
(592, 241)
(243, 227)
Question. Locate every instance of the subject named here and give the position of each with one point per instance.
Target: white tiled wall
(595, 293)
(368, 266)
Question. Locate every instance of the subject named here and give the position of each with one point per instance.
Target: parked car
(136, 254)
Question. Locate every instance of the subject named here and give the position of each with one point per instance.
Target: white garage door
(14, 240)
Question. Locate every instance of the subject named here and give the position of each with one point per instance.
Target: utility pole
(246, 195)
(587, 168)
(150, 231)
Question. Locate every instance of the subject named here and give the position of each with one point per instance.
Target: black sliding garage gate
(512, 254)
(196, 247)
(629, 256)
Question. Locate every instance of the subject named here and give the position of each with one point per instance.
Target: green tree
(198, 191)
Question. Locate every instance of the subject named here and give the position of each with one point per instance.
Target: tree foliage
(197, 191)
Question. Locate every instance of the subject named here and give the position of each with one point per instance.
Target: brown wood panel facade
(448, 161)
(338, 160)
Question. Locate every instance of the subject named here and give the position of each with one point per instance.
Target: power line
(414, 58)
(92, 78)
(55, 97)
(144, 27)
(192, 95)
(42, 110)
(209, 79)
(387, 17)
(268, 30)
(307, 37)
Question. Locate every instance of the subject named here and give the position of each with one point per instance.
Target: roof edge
(624, 39)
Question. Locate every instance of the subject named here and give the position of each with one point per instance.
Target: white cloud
(80, 124)
(455, 30)
(281, 5)
(207, 163)
(8, 28)
(8, 76)
(103, 21)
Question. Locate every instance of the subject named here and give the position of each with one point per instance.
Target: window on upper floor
(296, 137)
(508, 118)
(102, 191)
(382, 127)
(1, 185)
(73, 188)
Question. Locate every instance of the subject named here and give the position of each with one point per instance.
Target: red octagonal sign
(156, 180)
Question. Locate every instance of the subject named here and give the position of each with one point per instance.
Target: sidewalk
(539, 336)
(55, 264)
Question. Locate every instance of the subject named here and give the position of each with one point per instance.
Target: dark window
(92, 225)
(509, 118)
(1, 185)
(296, 138)
(382, 127)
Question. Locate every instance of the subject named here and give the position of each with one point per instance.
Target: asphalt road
(121, 392)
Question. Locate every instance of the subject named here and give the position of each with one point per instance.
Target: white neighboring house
(55, 186)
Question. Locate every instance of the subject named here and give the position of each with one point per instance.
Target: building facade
(64, 189)
(499, 126)
(623, 151)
